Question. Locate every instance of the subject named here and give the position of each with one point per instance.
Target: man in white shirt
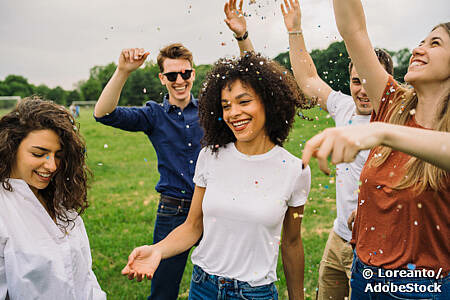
(335, 266)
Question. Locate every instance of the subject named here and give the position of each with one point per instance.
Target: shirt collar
(169, 107)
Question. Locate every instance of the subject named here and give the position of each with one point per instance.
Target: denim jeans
(384, 287)
(166, 280)
(205, 286)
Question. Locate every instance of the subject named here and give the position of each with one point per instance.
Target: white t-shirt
(342, 108)
(244, 206)
(38, 260)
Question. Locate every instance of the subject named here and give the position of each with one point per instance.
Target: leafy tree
(57, 95)
(73, 96)
(91, 89)
(18, 86)
(42, 91)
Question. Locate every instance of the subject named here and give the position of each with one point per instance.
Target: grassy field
(123, 204)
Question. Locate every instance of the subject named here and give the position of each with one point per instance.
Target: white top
(244, 205)
(38, 260)
(343, 110)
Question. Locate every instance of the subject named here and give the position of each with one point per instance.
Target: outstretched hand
(142, 262)
(291, 14)
(235, 19)
(342, 144)
(131, 59)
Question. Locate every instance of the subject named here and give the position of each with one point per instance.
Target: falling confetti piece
(144, 90)
(419, 205)
(48, 157)
(295, 215)
(411, 266)
(100, 164)
(416, 223)
(105, 146)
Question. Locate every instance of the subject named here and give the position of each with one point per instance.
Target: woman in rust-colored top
(401, 232)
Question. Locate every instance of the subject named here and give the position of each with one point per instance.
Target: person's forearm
(429, 145)
(294, 266)
(245, 46)
(350, 17)
(180, 239)
(109, 97)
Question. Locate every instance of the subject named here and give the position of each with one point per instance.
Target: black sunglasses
(172, 76)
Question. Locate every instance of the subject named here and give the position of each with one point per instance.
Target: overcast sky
(56, 42)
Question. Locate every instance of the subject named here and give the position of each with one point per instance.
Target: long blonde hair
(419, 174)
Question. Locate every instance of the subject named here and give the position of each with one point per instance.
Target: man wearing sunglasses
(173, 129)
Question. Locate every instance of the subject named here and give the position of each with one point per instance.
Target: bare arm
(351, 23)
(343, 143)
(235, 20)
(292, 252)
(143, 261)
(305, 71)
(129, 60)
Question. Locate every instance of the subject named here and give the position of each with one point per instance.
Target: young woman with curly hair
(248, 188)
(402, 220)
(44, 248)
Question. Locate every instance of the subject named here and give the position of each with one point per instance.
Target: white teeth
(44, 174)
(180, 88)
(236, 124)
(416, 63)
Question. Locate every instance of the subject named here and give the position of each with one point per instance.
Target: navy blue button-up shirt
(175, 135)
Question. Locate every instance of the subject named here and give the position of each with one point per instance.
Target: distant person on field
(44, 248)
(73, 110)
(173, 129)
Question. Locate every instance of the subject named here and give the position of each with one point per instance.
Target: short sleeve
(130, 118)
(341, 108)
(201, 168)
(301, 188)
(389, 94)
(3, 282)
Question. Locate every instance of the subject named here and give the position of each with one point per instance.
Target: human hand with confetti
(142, 262)
(235, 19)
(132, 58)
(292, 15)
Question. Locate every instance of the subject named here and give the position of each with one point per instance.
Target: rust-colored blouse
(394, 228)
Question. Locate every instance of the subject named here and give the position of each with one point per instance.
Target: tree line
(144, 85)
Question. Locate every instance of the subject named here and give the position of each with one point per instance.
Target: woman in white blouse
(44, 248)
(248, 189)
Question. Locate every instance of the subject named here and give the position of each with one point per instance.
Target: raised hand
(292, 15)
(235, 18)
(142, 262)
(131, 59)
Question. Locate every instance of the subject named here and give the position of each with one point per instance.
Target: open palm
(142, 262)
(235, 18)
(291, 14)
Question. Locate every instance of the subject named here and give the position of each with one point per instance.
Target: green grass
(123, 204)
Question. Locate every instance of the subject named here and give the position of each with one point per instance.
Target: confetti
(105, 146)
(416, 223)
(144, 90)
(411, 266)
(419, 205)
(48, 157)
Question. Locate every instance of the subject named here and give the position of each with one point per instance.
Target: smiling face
(37, 159)
(430, 61)
(243, 112)
(180, 89)
(363, 104)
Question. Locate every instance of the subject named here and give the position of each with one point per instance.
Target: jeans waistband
(220, 280)
(181, 203)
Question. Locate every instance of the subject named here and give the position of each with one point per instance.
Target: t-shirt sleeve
(201, 168)
(387, 98)
(3, 283)
(341, 107)
(301, 188)
(130, 118)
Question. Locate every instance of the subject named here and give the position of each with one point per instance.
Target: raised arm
(129, 60)
(343, 143)
(351, 23)
(235, 20)
(292, 252)
(144, 260)
(305, 71)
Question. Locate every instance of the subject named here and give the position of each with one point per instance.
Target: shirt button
(189, 144)
(191, 161)
(187, 126)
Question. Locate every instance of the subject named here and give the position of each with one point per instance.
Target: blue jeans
(166, 280)
(205, 286)
(382, 286)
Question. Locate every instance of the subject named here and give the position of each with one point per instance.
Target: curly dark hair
(275, 85)
(67, 191)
